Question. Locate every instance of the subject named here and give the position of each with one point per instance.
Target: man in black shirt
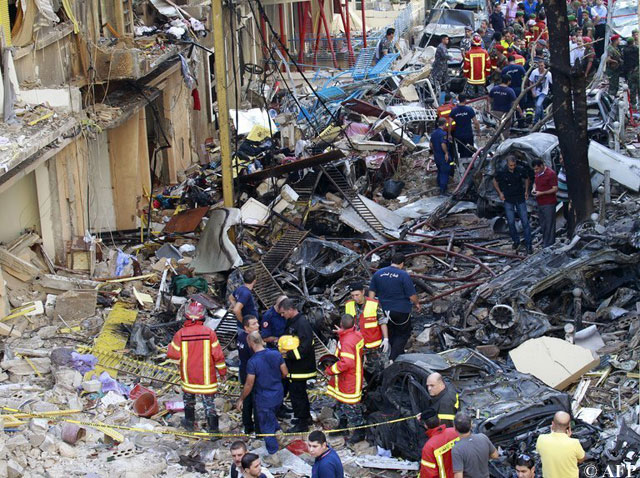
(512, 185)
(444, 398)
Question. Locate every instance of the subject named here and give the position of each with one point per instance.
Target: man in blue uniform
(396, 293)
(273, 324)
(249, 324)
(265, 371)
(441, 154)
(327, 463)
(242, 298)
(464, 118)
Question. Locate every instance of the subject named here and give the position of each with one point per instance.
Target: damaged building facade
(129, 200)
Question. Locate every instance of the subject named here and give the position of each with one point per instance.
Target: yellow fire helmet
(287, 343)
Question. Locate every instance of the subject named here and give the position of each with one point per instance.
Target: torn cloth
(189, 80)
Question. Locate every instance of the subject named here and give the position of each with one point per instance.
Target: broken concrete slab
(554, 361)
(76, 305)
(624, 170)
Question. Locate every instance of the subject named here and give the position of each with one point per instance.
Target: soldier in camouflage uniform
(614, 64)
(440, 67)
(518, 26)
(630, 64)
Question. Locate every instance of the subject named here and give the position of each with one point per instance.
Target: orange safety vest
(367, 321)
(345, 382)
(200, 355)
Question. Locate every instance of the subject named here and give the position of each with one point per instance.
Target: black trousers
(399, 332)
(299, 399)
(461, 146)
(250, 415)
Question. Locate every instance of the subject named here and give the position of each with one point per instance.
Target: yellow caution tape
(197, 435)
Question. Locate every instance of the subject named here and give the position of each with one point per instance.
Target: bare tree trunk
(569, 111)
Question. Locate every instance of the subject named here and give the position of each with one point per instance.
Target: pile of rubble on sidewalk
(85, 386)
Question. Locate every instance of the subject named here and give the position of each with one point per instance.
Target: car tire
(482, 207)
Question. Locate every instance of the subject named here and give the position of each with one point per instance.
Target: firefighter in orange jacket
(436, 453)
(476, 67)
(345, 382)
(371, 321)
(200, 355)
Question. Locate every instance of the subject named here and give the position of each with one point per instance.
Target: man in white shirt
(599, 16)
(541, 90)
(576, 50)
(238, 451)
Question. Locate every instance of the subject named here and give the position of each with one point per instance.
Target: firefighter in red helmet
(476, 68)
(200, 355)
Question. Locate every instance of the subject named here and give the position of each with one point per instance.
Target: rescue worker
(436, 452)
(476, 68)
(444, 110)
(200, 355)
(301, 363)
(265, 371)
(371, 321)
(614, 64)
(242, 301)
(396, 293)
(249, 324)
(345, 377)
(273, 324)
(444, 399)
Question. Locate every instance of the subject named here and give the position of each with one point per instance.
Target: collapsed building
(113, 184)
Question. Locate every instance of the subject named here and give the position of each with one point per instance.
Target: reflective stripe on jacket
(436, 453)
(477, 65)
(367, 322)
(345, 382)
(200, 355)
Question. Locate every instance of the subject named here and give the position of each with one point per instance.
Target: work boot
(342, 424)
(515, 246)
(300, 427)
(357, 436)
(529, 250)
(212, 424)
(188, 422)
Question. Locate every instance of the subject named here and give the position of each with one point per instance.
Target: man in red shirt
(436, 453)
(544, 190)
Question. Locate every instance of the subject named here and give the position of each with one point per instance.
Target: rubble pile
(332, 177)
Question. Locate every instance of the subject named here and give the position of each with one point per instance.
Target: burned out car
(510, 407)
(525, 149)
(602, 112)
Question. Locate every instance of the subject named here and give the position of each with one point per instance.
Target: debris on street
(382, 233)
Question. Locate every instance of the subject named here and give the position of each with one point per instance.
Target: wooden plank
(56, 283)
(17, 267)
(4, 298)
(125, 173)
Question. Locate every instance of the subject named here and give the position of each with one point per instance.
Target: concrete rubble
(330, 179)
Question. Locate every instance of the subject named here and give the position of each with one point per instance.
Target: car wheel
(482, 207)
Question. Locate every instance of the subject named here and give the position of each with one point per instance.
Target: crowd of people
(277, 358)
(507, 59)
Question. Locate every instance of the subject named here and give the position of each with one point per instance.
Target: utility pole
(217, 25)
